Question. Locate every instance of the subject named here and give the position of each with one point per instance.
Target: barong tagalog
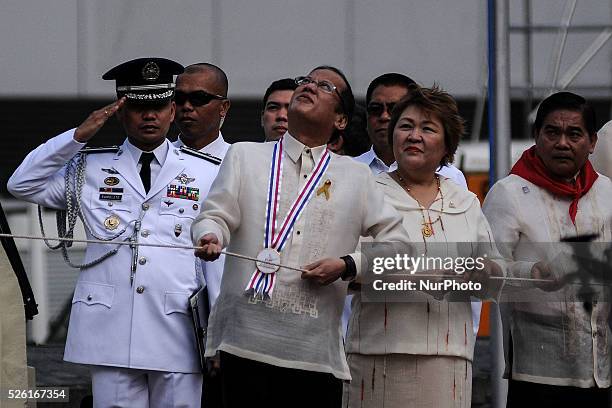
(261, 283)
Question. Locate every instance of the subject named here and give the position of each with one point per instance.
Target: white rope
(227, 253)
(128, 243)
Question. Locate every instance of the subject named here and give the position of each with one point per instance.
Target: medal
(111, 222)
(261, 283)
(268, 255)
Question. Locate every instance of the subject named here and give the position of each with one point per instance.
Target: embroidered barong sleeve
(503, 213)
(381, 222)
(221, 213)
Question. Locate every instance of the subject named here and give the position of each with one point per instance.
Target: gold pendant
(427, 231)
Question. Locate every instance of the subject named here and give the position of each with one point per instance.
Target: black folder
(198, 303)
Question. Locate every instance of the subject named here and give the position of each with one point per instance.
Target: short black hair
(389, 79)
(566, 101)
(285, 84)
(348, 99)
(208, 67)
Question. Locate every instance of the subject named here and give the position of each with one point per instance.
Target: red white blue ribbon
(262, 284)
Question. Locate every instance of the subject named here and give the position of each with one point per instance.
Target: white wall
(62, 47)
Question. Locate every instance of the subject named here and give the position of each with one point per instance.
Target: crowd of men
(130, 318)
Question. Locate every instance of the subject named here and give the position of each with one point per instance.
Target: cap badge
(150, 71)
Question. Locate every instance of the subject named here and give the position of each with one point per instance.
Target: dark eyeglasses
(377, 108)
(197, 98)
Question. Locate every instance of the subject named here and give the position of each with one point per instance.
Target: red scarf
(531, 168)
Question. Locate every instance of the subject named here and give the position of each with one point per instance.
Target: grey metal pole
(501, 166)
(502, 90)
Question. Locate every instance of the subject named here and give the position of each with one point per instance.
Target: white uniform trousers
(118, 387)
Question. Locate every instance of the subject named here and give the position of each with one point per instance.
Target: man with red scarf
(558, 343)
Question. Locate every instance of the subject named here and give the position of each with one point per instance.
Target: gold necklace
(427, 230)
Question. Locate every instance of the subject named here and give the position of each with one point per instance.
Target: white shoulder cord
(74, 179)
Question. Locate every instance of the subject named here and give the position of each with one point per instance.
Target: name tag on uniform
(184, 192)
(110, 197)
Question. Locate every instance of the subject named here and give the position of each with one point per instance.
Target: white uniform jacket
(146, 324)
(212, 271)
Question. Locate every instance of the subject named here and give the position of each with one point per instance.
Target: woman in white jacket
(418, 352)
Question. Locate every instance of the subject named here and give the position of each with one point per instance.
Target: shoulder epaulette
(108, 149)
(201, 155)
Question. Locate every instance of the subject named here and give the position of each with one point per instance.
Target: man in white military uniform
(129, 317)
(279, 331)
(201, 107)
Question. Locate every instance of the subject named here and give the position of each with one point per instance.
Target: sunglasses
(377, 108)
(196, 98)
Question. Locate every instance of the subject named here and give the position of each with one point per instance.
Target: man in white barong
(279, 330)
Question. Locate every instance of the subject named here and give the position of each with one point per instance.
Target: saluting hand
(324, 271)
(210, 250)
(96, 120)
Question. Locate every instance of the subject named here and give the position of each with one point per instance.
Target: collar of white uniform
(294, 148)
(160, 151)
(216, 147)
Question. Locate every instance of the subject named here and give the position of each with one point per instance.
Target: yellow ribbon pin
(324, 189)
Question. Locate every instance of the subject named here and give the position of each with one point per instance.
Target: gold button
(89, 297)
(142, 260)
(145, 233)
(181, 210)
(145, 206)
(140, 289)
(110, 204)
(307, 151)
